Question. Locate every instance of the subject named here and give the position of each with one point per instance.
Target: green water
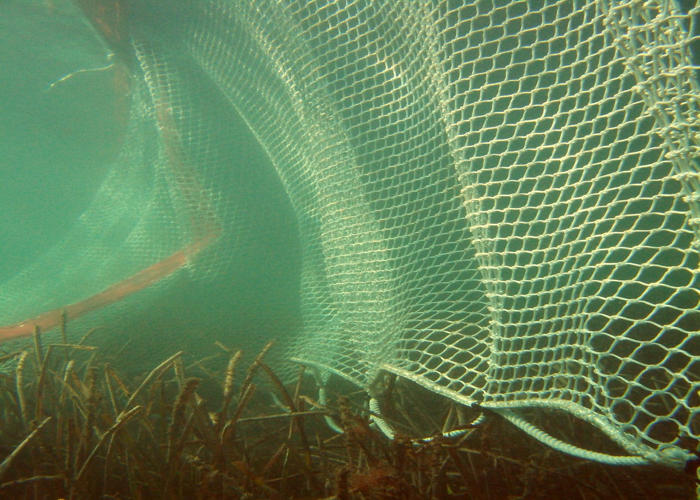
(60, 135)
(53, 141)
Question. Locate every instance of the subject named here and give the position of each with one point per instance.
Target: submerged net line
(498, 200)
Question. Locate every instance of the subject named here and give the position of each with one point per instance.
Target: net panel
(497, 199)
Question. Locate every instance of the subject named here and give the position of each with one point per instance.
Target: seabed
(74, 426)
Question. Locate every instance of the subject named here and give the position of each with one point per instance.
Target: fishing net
(498, 200)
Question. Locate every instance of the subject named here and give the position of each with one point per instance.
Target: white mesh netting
(498, 200)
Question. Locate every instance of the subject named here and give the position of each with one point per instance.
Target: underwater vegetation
(75, 426)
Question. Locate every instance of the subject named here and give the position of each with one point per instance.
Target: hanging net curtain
(498, 200)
